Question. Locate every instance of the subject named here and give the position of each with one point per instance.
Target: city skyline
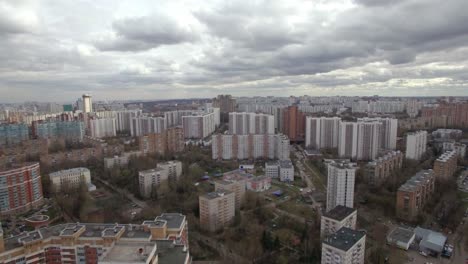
(136, 50)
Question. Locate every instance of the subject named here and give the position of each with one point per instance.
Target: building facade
(217, 209)
(340, 185)
(359, 140)
(242, 147)
(144, 125)
(87, 103)
(322, 132)
(388, 131)
(380, 169)
(445, 165)
(293, 123)
(12, 134)
(69, 130)
(20, 189)
(416, 144)
(163, 240)
(414, 194)
(346, 246)
(169, 141)
(251, 123)
(237, 186)
(335, 219)
(149, 180)
(199, 125)
(225, 103)
(72, 179)
(104, 127)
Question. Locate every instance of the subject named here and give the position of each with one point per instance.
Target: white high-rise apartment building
(322, 132)
(416, 143)
(359, 140)
(241, 147)
(144, 125)
(200, 125)
(251, 123)
(388, 132)
(87, 103)
(340, 188)
(104, 127)
(346, 246)
(124, 119)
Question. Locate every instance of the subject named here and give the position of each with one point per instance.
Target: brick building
(445, 165)
(414, 194)
(20, 188)
(378, 170)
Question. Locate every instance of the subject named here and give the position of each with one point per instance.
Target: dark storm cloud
(143, 33)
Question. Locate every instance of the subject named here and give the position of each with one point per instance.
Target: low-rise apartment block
(163, 240)
(446, 165)
(380, 169)
(346, 246)
(72, 179)
(447, 133)
(120, 161)
(338, 217)
(414, 194)
(154, 178)
(259, 183)
(282, 169)
(217, 209)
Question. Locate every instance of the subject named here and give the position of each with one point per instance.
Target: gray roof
(418, 179)
(401, 234)
(174, 220)
(169, 253)
(216, 194)
(344, 239)
(339, 213)
(434, 241)
(286, 164)
(92, 230)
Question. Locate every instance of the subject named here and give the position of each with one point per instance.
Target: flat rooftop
(74, 170)
(285, 164)
(157, 169)
(339, 213)
(169, 253)
(174, 220)
(344, 239)
(216, 194)
(401, 234)
(129, 252)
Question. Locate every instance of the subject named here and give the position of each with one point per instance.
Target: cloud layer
(55, 49)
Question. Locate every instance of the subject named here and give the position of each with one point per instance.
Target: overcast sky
(55, 50)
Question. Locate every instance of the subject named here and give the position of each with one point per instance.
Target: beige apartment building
(217, 209)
